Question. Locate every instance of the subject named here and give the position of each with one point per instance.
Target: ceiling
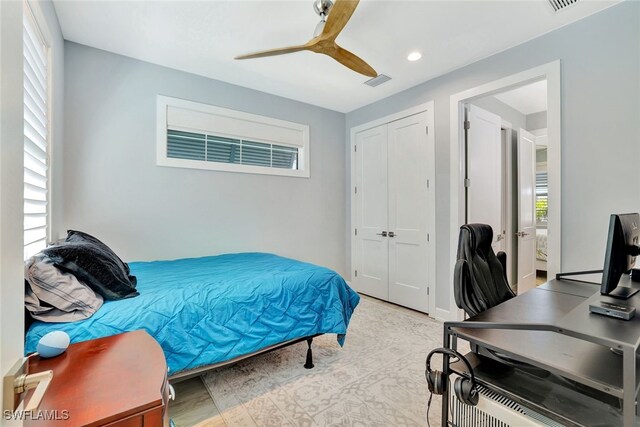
(528, 99)
(203, 38)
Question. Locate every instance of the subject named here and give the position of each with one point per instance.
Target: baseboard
(442, 315)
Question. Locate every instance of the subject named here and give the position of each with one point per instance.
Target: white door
(484, 170)
(408, 212)
(371, 261)
(526, 211)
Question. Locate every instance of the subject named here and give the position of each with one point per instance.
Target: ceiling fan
(333, 18)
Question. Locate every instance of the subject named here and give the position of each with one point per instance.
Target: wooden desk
(115, 381)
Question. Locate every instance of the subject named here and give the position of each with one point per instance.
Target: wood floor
(193, 404)
(541, 277)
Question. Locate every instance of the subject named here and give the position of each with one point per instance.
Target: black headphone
(465, 388)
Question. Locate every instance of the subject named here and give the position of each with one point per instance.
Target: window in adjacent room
(542, 192)
(36, 136)
(200, 136)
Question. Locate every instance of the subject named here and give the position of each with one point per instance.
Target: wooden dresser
(118, 381)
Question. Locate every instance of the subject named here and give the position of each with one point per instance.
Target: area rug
(376, 379)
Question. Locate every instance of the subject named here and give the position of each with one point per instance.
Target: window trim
(164, 102)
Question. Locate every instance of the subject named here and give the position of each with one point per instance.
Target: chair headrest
(481, 236)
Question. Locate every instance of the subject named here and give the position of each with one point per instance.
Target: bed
(541, 249)
(208, 311)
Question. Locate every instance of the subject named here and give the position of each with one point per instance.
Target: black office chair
(480, 276)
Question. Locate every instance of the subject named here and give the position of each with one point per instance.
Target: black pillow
(79, 236)
(95, 264)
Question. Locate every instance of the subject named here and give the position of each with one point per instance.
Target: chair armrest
(463, 289)
(502, 258)
(460, 276)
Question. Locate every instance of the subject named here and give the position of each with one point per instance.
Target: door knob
(392, 234)
(521, 234)
(383, 234)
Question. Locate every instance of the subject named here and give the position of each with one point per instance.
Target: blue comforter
(208, 310)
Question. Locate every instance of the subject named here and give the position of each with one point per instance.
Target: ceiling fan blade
(273, 52)
(339, 15)
(351, 61)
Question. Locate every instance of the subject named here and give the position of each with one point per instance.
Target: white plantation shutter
(36, 137)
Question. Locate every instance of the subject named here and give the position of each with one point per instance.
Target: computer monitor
(622, 248)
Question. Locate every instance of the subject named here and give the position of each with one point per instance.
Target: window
(218, 149)
(200, 136)
(36, 136)
(542, 193)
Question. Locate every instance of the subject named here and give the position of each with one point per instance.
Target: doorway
(506, 177)
(505, 170)
(393, 208)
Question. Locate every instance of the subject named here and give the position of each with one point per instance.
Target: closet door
(408, 212)
(371, 210)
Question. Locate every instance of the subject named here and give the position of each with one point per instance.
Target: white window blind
(218, 149)
(36, 137)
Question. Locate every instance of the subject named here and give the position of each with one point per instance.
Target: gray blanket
(54, 296)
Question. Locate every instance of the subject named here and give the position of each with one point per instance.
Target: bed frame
(184, 375)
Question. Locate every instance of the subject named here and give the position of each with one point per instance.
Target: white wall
(114, 189)
(11, 163)
(11, 183)
(600, 128)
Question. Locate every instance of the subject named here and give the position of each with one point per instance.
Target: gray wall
(506, 112)
(537, 120)
(600, 128)
(114, 189)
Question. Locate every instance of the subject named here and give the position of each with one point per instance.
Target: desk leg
(629, 385)
(446, 343)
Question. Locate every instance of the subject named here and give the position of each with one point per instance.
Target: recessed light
(414, 56)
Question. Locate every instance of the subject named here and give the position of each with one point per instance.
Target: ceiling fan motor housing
(322, 7)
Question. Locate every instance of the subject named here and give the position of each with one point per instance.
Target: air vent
(377, 81)
(561, 4)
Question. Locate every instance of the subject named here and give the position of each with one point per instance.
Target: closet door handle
(383, 234)
(392, 234)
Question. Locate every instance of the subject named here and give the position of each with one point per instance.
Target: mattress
(541, 244)
(208, 310)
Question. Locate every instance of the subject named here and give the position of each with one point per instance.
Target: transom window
(200, 136)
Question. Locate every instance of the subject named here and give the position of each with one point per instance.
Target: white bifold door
(392, 212)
